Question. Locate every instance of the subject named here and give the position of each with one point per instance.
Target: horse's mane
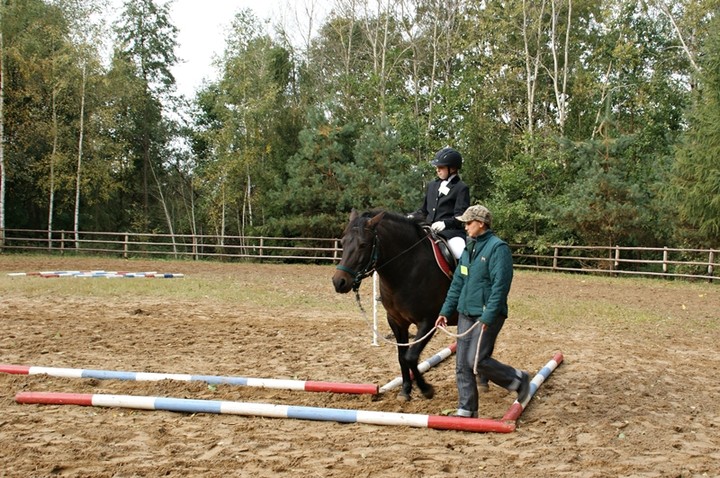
(395, 217)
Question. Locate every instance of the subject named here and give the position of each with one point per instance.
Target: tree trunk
(78, 174)
(2, 137)
(532, 65)
(681, 38)
(168, 218)
(560, 74)
(51, 198)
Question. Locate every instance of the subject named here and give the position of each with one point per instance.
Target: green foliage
(314, 185)
(380, 176)
(610, 199)
(246, 129)
(695, 188)
(338, 169)
(141, 67)
(147, 40)
(524, 190)
(40, 104)
(287, 140)
(321, 225)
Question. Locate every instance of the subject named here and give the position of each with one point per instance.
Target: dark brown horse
(412, 286)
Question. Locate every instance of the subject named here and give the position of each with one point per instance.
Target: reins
(368, 270)
(397, 344)
(372, 266)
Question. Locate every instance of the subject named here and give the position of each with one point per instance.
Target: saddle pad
(440, 259)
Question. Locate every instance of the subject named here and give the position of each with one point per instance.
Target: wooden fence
(609, 260)
(188, 246)
(616, 260)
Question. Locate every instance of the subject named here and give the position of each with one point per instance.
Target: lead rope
(397, 344)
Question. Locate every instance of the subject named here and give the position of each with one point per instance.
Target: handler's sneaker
(464, 414)
(524, 388)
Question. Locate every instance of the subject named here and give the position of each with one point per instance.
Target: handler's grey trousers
(474, 358)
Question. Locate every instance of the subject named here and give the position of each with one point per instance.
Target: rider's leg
(457, 244)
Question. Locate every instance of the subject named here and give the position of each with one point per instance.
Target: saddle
(443, 255)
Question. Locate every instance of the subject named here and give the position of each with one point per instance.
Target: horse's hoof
(403, 397)
(429, 392)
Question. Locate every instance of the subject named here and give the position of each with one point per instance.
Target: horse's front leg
(412, 355)
(401, 337)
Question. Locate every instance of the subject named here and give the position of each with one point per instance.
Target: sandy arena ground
(637, 394)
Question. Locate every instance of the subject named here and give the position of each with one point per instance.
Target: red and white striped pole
(302, 385)
(267, 410)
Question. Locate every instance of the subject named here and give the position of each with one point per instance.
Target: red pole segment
(15, 369)
(440, 422)
(51, 398)
(339, 387)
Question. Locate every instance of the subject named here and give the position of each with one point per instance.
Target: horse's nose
(341, 282)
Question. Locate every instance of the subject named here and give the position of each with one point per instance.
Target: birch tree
(532, 33)
(559, 72)
(2, 129)
(86, 27)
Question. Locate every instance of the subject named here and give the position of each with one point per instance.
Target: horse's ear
(375, 220)
(353, 216)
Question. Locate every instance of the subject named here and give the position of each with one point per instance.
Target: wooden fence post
(555, 259)
(665, 258)
(616, 264)
(711, 261)
(125, 246)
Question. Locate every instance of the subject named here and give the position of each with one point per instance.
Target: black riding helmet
(447, 157)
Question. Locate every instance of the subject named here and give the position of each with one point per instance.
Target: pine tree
(696, 174)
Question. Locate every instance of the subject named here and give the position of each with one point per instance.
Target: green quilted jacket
(482, 280)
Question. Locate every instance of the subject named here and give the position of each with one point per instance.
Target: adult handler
(446, 197)
(478, 292)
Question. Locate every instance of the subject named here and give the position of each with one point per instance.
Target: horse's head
(359, 252)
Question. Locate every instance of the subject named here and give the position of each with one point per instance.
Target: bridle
(371, 265)
(368, 269)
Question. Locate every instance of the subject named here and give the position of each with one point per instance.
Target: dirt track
(636, 395)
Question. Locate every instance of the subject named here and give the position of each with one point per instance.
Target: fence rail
(617, 260)
(609, 260)
(189, 246)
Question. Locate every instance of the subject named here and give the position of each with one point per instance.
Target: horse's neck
(400, 253)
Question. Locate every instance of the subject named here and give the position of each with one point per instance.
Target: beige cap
(476, 213)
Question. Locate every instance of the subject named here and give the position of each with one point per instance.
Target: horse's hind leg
(413, 355)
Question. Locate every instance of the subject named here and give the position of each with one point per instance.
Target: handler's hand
(441, 322)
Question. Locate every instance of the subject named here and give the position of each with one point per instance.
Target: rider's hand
(438, 226)
(441, 322)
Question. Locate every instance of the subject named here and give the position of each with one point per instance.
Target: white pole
(375, 301)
